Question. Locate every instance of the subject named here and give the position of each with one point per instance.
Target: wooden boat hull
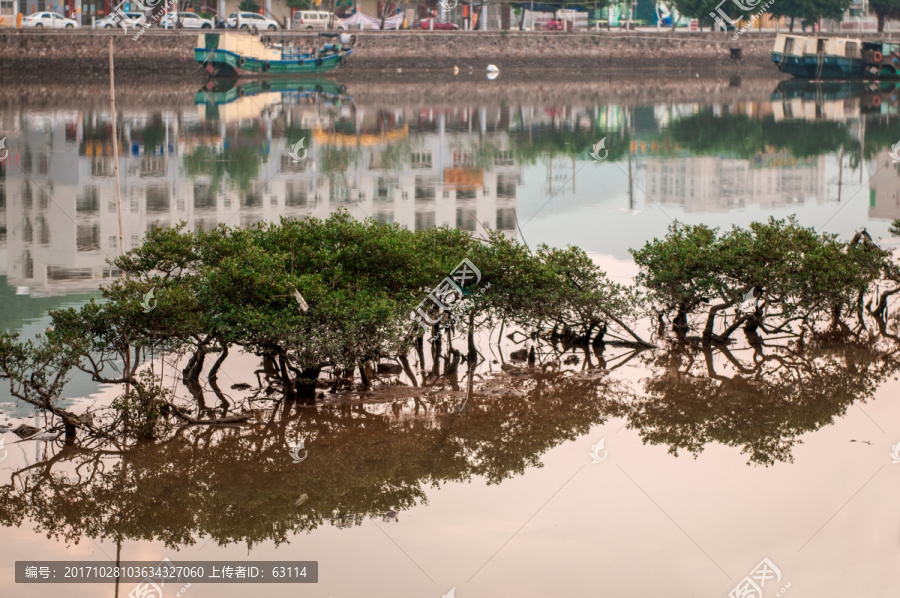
(787, 54)
(833, 67)
(222, 63)
(792, 65)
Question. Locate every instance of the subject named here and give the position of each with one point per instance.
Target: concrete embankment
(80, 55)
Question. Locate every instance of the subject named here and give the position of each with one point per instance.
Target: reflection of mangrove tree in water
(709, 133)
(767, 400)
(240, 485)
(738, 134)
(536, 142)
(239, 159)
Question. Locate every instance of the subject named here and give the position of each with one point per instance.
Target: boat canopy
(242, 45)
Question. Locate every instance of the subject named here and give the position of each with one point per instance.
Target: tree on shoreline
(810, 11)
(885, 9)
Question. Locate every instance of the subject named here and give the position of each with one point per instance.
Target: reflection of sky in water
(28, 317)
(598, 218)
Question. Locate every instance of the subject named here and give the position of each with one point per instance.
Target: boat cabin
(790, 45)
(838, 47)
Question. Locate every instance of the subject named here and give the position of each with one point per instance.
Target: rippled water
(707, 470)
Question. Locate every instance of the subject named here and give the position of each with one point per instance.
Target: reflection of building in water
(842, 109)
(714, 184)
(53, 218)
(435, 168)
(884, 187)
(58, 210)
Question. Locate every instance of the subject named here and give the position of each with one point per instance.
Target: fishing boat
(242, 55)
(815, 57)
(882, 59)
(834, 58)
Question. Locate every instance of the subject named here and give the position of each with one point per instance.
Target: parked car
(131, 19)
(53, 20)
(188, 20)
(316, 19)
(439, 25)
(250, 20)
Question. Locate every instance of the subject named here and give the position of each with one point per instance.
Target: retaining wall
(66, 55)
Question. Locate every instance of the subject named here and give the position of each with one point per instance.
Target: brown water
(710, 462)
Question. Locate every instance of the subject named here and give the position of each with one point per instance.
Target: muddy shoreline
(406, 89)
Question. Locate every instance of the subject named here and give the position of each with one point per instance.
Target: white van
(315, 19)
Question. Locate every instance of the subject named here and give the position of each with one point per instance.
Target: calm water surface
(707, 469)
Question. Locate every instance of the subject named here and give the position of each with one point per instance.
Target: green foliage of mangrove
(337, 295)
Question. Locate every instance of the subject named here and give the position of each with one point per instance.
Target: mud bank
(400, 90)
